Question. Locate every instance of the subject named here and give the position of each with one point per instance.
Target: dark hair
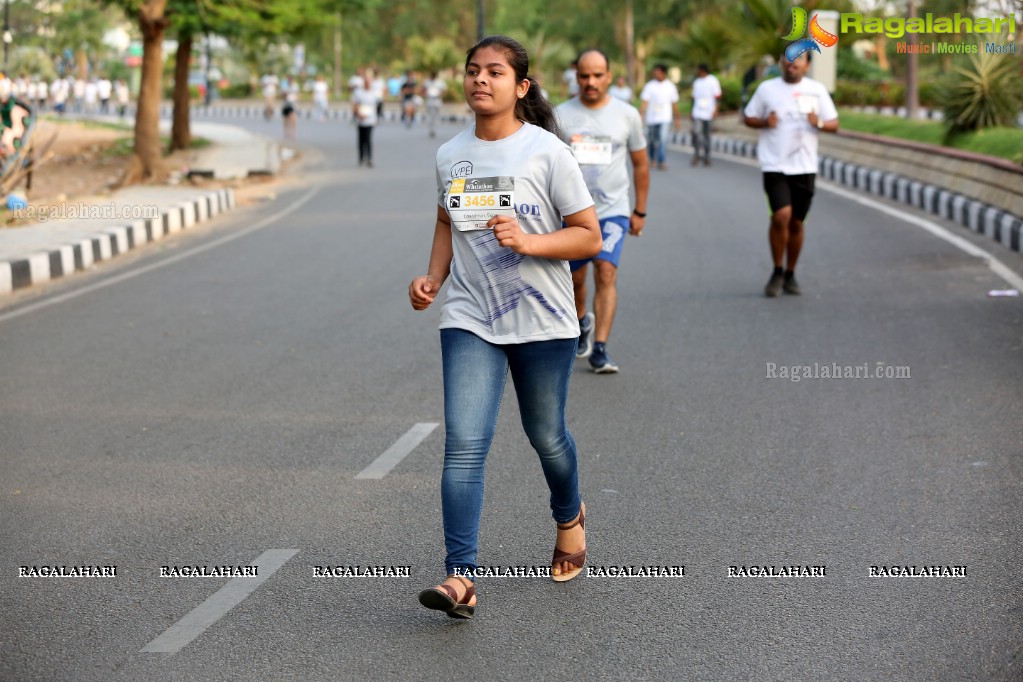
(534, 107)
(703, 67)
(662, 67)
(603, 54)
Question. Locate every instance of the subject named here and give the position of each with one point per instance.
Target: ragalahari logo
(818, 36)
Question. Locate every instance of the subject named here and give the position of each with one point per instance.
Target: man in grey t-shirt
(606, 135)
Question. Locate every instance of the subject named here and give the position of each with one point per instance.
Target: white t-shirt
(791, 147)
(320, 91)
(601, 140)
(499, 295)
(365, 102)
(623, 92)
(705, 91)
(434, 90)
(571, 81)
(660, 97)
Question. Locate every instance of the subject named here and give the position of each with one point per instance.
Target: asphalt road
(217, 400)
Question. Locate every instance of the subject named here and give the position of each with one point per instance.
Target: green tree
(78, 26)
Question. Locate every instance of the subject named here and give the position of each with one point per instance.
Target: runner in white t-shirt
(659, 107)
(706, 92)
(513, 210)
(790, 111)
(607, 137)
(320, 93)
(433, 89)
(364, 110)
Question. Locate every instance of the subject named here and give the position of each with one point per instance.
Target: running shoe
(774, 284)
(791, 286)
(585, 337)
(601, 361)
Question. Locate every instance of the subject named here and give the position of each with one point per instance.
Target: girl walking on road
(504, 187)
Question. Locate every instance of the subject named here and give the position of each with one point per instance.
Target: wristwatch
(640, 214)
(820, 124)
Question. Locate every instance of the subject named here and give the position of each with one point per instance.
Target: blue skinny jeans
(475, 372)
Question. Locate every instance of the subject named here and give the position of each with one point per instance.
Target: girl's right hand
(422, 291)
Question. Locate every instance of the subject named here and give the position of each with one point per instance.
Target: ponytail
(534, 108)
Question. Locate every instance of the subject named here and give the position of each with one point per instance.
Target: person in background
(364, 110)
(290, 114)
(621, 90)
(433, 89)
(606, 135)
(790, 112)
(320, 90)
(409, 90)
(659, 107)
(706, 93)
(104, 88)
(569, 82)
(122, 96)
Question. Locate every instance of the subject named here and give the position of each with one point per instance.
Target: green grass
(88, 123)
(125, 146)
(1005, 143)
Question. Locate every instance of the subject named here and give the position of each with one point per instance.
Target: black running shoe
(791, 286)
(774, 285)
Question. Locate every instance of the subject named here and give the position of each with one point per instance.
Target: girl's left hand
(510, 234)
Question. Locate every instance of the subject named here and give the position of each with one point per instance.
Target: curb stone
(344, 113)
(990, 221)
(60, 261)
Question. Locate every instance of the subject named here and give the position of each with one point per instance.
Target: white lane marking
(998, 267)
(163, 263)
(219, 603)
(397, 452)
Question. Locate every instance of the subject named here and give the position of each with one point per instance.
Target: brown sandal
(576, 558)
(445, 598)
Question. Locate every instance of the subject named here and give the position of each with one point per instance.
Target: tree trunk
(181, 133)
(881, 46)
(82, 63)
(912, 82)
(145, 164)
(630, 46)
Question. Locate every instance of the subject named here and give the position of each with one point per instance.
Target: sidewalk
(76, 234)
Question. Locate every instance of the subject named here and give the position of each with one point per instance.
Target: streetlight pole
(479, 19)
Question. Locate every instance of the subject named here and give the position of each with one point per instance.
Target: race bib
(592, 150)
(366, 110)
(471, 202)
(808, 104)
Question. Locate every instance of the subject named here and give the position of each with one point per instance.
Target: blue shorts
(613, 230)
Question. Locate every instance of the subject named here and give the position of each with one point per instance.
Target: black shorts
(789, 190)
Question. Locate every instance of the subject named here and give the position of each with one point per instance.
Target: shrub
(984, 93)
(731, 94)
(236, 91)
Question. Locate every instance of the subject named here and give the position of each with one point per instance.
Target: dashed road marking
(397, 452)
(219, 603)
